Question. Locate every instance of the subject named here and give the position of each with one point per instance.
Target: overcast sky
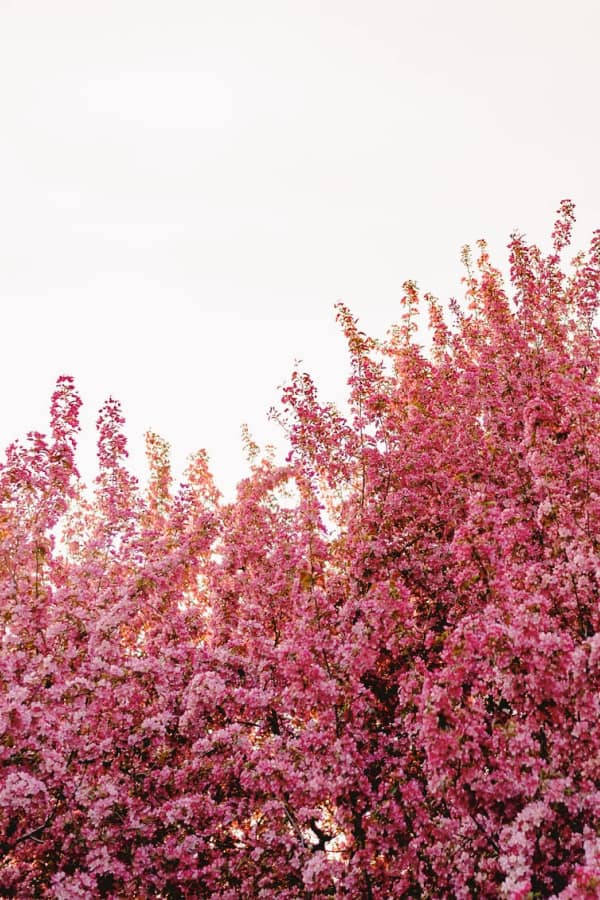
(187, 188)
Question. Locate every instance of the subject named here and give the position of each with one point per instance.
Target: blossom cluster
(375, 673)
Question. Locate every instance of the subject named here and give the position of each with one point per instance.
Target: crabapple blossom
(375, 673)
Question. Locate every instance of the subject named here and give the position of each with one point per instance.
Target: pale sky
(187, 189)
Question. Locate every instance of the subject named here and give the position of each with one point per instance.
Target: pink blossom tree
(374, 674)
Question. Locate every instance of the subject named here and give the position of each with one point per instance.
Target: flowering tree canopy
(374, 674)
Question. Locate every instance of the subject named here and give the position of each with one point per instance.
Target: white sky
(187, 188)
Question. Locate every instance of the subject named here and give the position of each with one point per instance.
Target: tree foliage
(375, 673)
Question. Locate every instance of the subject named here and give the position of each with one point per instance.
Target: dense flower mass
(374, 674)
